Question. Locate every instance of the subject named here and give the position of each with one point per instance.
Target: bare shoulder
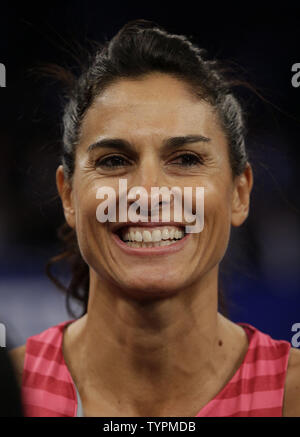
(17, 356)
(291, 404)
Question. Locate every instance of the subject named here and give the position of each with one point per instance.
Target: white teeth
(138, 236)
(156, 235)
(164, 243)
(176, 235)
(157, 244)
(164, 234)
(147, 236)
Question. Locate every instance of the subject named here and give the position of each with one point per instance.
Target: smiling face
(145, 113)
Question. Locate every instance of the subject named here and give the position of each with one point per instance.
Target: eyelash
(196, 159)
(105, 160)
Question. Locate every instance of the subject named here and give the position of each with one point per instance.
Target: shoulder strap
(257, 388)
(47, 386)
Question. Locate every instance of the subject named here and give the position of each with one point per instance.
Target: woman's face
(144, 113)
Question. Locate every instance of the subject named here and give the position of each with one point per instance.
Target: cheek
(217, 218)
(87, 226)
(90, 192)
(92, 235)
(217, 199)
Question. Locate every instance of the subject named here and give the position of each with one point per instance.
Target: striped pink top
(256, 389)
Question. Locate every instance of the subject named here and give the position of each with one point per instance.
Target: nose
(149, 172)
(150, 204)
(149, 178)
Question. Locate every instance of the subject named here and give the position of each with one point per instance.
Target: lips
(148, 236)
(142, 249)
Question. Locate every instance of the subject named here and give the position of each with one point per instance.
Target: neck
(135, 352)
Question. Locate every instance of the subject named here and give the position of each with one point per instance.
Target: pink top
(255, 390)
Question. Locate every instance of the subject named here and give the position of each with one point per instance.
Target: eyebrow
(169, 143)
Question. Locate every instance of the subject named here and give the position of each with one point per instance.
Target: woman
(151, 341)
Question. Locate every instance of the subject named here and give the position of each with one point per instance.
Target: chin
(150, 295)
(158, 287)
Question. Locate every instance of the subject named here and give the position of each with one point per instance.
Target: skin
(152, 342)
(149, 313)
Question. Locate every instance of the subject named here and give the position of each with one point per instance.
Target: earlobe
(65, 191)
(241, 196)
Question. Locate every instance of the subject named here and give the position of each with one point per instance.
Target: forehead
(155, 105)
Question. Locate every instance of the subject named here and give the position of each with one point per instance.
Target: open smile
(150, 239)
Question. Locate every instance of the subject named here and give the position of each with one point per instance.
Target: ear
(64, 188)
(241, 196)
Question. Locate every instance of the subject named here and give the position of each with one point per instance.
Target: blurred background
(261, 272)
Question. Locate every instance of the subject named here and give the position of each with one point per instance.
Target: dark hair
(139, 48)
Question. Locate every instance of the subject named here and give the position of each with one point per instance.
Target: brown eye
(188, 160)
(115, 161)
